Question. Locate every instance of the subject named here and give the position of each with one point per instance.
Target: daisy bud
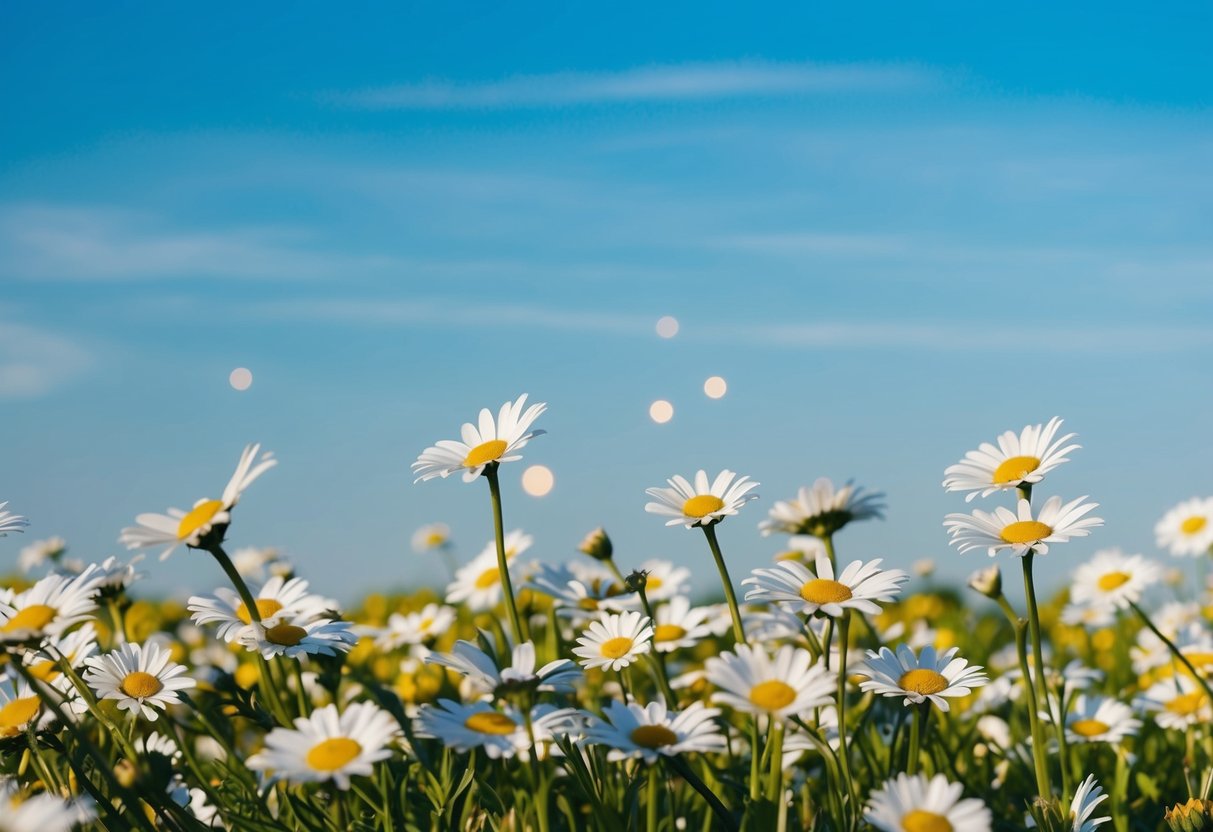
(1192, 816)
(987, 581)
(597, 545)
(636, 581)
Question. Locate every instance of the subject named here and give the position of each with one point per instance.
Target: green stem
(503, 566)
(719, 809)
(775, 750)
(844, 632)
(1037, 680)
(709, 532)
(651, 803)
(915, 737)
(755, 759)
(828, 542)
(1038, 758)
(1174, 651)
(663, 679)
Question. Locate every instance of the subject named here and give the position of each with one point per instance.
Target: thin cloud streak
(36, 361)
(683, 82)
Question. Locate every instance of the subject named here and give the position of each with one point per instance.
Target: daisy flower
(781, 686)
(580, 597)
(918, 804)
(478, 583)
(1021, 533)
(615, 641)
(10, 522)
(431, 537)
(1088, 795)
(19, 707)
(39, 552)
(414, 627)
(277, 600)
(493, 441)
(139, 677)
(75, 648)
(791, 585)
(1179, 703)
(1186, 529)
(663, 580)
(207, 515)
(50, 607)
(1093, 618)
(1112, 579)
(705, 502)
(40, 812)
(515, 543)
(927, 677)
(679, 625)
(327, 745)
(1100, 719)
(294, 639)
(1017, 461)
(251, 561)
(501, 733)
(115, 576)
(651, 731)
(822, 510)
(485, 674)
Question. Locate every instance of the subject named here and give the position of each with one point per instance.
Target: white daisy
(775, 625)
(1093, 618)
(493, 441)
(40, 812)
(929, 676)
(327, 745)
(791, 585)
(190, 527)
(651, 731)
(299, 638)
(1100, 719)
(1055, 523)
(478, 583)
(432, 537)
(663, 580)
(115, 576)
(918, 804)
(515, 543)
(486, 676)
(615, 641)
(414, 627)
(705, 502)
(1018, 460)
(787, 684)
(1112, 579)
(679, 625)
(1186, 529)
(20, 706)
(39, 552)
(1179, 702)
(580, 597)
(501, 733)
(50, 607)
(139, 677)
(252, 561)
(10, 522)
(277, 600)
(1087, 796)
(822, 510)
(75, 648)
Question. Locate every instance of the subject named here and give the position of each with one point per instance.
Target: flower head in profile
(704, 503)
(919, 804)
(207, 515)
(10, 522)
(783, 685)
(1178, 703)
(1186, 529)
(793, 586)
(328, 745)
(930, 676)
(38, 552)
(1087, 796)
(50, 607)
(487, 675)
(1018, 460)
(651, 731)
(140, 677)
(277, 600)
(491, 441)
(502, 733)
(301, 637)
(431, 538)
(1113, 580)
(822, 510)
(1021, 532)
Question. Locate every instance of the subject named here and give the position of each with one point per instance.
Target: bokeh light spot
(241, 378)
(715, 387)
(661, 411)
(667, 327)
(538, 480)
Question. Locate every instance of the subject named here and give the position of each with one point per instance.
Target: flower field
(819, 694)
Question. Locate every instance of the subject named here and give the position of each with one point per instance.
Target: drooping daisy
(1018, 460)
(278, 600)
(703, 503)
(1186, 529)
(1100, 719)
(415, 627)
(679, 625)
(320, 637)
(39, 812)
(930, 676)
(1056, 523)
(328, 745)
(918, 804)
(1179, 702)
(615, 641)
(50, 607)
(501, 733)
(651, 731)
(139, 677)
(781, 686)
(39, 552)
(190, 527)
(10, 522)
(1112, 579)
(1087, 796)
(493, 441)
(431, 537)
(822, 510)
(484, 673)
(478, 583)
(791, 585)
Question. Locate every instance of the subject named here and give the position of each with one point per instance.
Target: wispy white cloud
(36, 361)
(681, 82)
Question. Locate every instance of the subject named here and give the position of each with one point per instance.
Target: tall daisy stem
(503, 566)
(1038, 677)
(709, 532)
(650, 809)
(827, 541)
(844, 632)
(727, 821)
(775, 749)
(915, 739)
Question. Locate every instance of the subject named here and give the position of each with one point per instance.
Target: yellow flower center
(15, 715)
(652, 582)
(1089, 727)
(1112, 580)
(333, 754)
(772, 695)
(266, 607)
(1199, 658)
(140, 685)
(485, 452)
(702, 506)
(920, 820)
(1015, 468)
(488, 578)
(199, 516)
(923, 681)
(490, 722)
(287, 635)
(1193, 524)
(435, 539)
(825, 591)
(45, 671)
(33, 617)
(668, 632)
(615, 648)
(1025, 531)
(588, 604)
(1187, 704)
(653, 736)
(425, 624)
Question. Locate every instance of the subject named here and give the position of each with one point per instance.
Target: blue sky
(896, 231)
